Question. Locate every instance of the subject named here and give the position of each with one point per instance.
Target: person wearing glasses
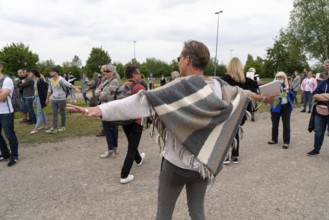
(193, 114)
(110, 129)
(281, 109)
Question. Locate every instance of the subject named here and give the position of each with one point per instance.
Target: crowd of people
(188, 156)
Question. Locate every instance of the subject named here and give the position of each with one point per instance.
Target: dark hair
(54, 69)
(36, 73)
(130, 70)
(27, 70)
(197, 52)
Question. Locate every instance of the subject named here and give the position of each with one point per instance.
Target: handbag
(311, 123)
(322, 110)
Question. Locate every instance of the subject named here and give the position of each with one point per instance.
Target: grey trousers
(172, 179)
(55, 105)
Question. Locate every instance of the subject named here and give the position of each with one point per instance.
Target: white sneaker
(128, 179)
(106, 154)
(142, 156)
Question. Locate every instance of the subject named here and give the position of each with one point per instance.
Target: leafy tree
(120, 69)
(257, 64)
(309, 23)
(18, 56)
(143, 69)
(284, 56)
(76, 61)
(157, 67)
(96, 59)
(44, 67)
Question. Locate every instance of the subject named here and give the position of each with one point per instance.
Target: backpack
(121, 92)
(65, 88)
(16, 97)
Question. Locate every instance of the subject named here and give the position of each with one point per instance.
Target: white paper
(317, 75)
(271, 88)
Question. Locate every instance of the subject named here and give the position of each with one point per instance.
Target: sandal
(272, 142)
(41, 128)
(285, 146)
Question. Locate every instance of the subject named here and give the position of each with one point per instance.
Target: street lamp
(217, 13)
(134, 49)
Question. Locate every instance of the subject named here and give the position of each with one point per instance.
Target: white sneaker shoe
(142, 156)
(128, 179)
(106, 154)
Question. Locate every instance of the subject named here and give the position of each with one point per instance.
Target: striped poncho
(203, 123)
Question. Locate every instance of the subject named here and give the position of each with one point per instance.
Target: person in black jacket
(40, 96)
(26, 87)
(235, 77)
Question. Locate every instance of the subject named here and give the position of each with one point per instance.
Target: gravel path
(68, 180)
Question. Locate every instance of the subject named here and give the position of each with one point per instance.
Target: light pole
(217, 13)
(134, 49)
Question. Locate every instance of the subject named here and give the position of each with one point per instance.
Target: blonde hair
(282, 74)
(175, 74)
(235, 70)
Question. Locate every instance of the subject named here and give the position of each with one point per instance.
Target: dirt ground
(68, 180)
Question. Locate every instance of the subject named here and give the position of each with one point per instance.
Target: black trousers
(133, 133)
(284, 113)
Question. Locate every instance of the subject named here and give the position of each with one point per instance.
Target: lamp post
(217, 13)
(134, 49)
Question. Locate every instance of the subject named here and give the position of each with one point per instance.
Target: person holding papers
(281, 107)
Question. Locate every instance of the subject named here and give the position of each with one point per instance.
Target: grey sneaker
(61, 129)
(51, 130)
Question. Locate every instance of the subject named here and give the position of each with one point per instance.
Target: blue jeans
(29, 103)
(321, 123)
(84, 94)
(7, 125)
(41, 117)
(308, 97)
(72, 95)
(111, 134)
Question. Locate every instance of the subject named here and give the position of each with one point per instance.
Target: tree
(257, 64)
(18, 56)
(309, 23)
(285, 56)
(45, 66)
(76, 61)
(120, 69)
(96, 59)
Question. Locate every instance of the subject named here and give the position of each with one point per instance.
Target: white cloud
(60, 29)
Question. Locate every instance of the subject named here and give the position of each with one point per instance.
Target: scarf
(203, 123)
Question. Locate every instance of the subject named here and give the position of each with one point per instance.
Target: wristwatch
(86, 110)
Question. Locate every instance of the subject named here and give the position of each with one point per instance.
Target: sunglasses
(178, 59)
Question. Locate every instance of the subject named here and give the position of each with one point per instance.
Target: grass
(77, 125)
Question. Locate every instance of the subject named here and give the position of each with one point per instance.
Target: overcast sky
(60, 29)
